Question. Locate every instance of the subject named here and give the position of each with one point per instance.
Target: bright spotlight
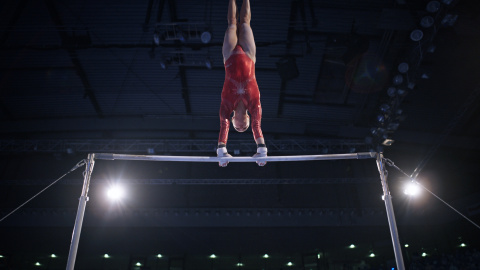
(412, 189)
(116, 192)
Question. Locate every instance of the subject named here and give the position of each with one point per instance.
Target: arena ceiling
(142, 77)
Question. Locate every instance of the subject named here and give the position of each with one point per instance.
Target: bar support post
(390, 215)
(72, 255)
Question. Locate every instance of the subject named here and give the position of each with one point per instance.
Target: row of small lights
(371, 255)
(239, 264)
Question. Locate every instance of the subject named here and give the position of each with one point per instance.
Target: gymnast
(240, 93)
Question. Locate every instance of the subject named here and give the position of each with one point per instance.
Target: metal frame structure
(107, 156)
(170, 146)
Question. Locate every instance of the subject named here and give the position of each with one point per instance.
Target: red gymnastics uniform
(240, 86)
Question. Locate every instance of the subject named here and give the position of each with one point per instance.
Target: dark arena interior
(398, 78)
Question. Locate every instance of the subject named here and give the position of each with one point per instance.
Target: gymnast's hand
(261, 152)
(222, 152)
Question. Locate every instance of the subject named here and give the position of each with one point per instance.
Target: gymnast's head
(240, 118)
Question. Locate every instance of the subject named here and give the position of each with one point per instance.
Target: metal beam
(185, 91)
(176, 146)
(110, 156)
(203, 217)
(74, 57)
(223, 181)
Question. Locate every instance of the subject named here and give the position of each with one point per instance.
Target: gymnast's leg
(245, 36)
(230, 40)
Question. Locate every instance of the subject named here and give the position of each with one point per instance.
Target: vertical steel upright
(72, 255)
(390, 215)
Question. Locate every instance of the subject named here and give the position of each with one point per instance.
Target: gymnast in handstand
(240, 93)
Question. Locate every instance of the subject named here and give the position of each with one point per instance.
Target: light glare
(265, 256)
(352, 246)
(412, 189)
(116, 192)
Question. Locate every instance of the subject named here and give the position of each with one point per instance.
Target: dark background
(79, 77)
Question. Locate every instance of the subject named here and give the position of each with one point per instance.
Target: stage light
(289, 264)
(53, 256)
(1, 256)
(433, 6)
(213, 256)
(416, 35)
(391, 91)
(424, 254)
(380, 118)
(384, 107)
(38, 264)
(115, 192)
(401, 92)
(388, 142)
(412, 189)
(266, 256)
(106, 256)
(159, 256)
(449, 20)
(163, 64)
(406, 245)
(427, 21)
(206, 37)
(463, 245)
(403, 67)
(208, 63)
(239, 264)
(138, 264)
(352, 246)
(156, 38)
(371, 255)
(397, 79)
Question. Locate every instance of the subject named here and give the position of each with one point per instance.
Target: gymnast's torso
(240, 86)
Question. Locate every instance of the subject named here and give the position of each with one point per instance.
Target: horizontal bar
(107, 156)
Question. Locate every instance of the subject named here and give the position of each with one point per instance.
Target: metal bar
(107, 156)
(390, 215)
(72, 255)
